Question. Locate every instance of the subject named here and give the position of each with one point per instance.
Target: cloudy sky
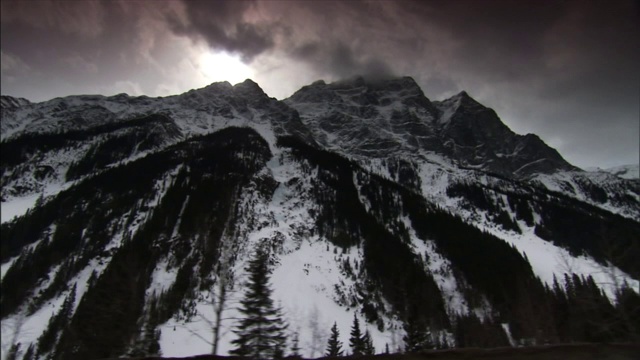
(565, 70)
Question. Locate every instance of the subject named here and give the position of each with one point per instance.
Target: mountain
(393, 117)
(124, 217)
(624, 171)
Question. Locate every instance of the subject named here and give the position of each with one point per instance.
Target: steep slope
(360, 118)
(146, 212)
(48, 144)
(475, 135)
(392, 122)
(384, 118)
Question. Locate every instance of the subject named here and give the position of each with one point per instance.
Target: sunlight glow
(224, 67)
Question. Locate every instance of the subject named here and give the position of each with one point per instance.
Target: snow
(529, 164)
(448, 108)
(625, 171)
(545, 258)
(304, 282)
(17, 207)
(162, 278)
(6, 265)
(31, 327)
(179, 340)
(507, 331)
(548, 260)
(567, 183)
(307, 277)
(441, 270)
(27, 329)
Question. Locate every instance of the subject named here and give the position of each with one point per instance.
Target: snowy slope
(355, 190)
(625, 171)
(602, 189)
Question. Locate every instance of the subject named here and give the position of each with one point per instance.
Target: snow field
(441, 270)
(545, 258)
(18, 206)
(27, 329)
(306, 277)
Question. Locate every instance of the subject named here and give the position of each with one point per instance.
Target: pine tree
(68, 305)
(334, 346)
(444, 344)
(57, 323)
(260, 335)
(369, 349)
(278, 352)
(355, 341)
(295, 345)
(13, 352)
(417, 338)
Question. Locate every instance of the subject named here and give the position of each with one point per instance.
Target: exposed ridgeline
(393, 117)
(361, 198)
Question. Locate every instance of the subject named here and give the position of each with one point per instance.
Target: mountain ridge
(147, 199)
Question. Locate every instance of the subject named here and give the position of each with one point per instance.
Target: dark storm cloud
(237, 27)
(343, 40)
(493, 35)
(222, 26)
(74, 47)
(340, 60)
(570, 66)
(566, 70)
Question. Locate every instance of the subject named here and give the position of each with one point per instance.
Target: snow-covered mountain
(630, 171)
(421, 218)
(393, 118)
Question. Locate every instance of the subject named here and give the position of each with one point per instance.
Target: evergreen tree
(416, 339)
(334, 346)
(278, 352)
(57, 323)
(295, 345)
(369, 349)
(444, 344)
(68, 305)
(260, 335)
(13, 352)
(356, 339)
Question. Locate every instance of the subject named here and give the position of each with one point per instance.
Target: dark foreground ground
(551, 352)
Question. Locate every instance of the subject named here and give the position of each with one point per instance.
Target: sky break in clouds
(565, 70)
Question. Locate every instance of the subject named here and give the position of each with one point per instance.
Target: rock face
(475, 136)
(393, 117)
(431, 223)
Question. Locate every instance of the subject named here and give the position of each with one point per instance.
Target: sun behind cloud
(222, 66)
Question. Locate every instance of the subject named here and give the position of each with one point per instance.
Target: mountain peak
(464, 99)
(352, 82)
(10, 102)
(216, 86)
(462, 95)
(247, 83)
(250, 88)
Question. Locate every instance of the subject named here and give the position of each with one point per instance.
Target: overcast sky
(567, 71)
